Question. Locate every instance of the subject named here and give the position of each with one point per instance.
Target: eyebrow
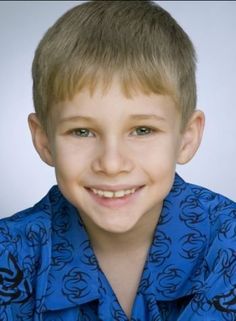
(132, 117)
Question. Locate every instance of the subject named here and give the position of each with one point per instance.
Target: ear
(40, 139)
(191, 137)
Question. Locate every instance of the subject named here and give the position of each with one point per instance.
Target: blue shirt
(48, 270)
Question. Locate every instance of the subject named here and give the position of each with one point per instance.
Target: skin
(115, 148)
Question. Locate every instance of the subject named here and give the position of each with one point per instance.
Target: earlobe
(40, 139)
(191, 137)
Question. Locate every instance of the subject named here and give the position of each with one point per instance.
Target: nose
(112, 158)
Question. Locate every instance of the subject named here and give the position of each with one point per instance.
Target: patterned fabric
(48, 270)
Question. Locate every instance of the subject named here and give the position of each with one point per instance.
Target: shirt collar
(172, 269)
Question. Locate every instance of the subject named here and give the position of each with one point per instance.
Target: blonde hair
(91, 43)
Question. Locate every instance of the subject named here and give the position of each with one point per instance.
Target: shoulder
(217, 295)
(195, 204)
(25, 242)
(195, 198)
(220, 209)
(203, 210)
(212, 200)
(27, 228)
(220, 258)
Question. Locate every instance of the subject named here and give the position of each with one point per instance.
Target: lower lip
(115, 202)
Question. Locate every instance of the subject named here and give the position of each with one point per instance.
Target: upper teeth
(110, 194)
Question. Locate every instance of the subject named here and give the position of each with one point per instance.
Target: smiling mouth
(115, 202)
(113, 194)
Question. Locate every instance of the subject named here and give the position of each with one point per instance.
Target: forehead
(113, 100)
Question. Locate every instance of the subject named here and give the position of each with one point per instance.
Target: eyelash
(82, 131)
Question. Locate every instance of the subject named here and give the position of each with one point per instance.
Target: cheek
(158, 155)
(71, 160)
(159, 164)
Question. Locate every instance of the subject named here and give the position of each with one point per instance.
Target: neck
(140, 236)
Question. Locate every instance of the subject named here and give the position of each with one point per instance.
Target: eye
(81, 132)
(84, 132)
(142, 131)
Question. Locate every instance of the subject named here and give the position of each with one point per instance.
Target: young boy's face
(108, 143)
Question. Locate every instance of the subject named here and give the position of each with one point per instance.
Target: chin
(117, 228)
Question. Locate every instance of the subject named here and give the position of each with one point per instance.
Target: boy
(122, 236)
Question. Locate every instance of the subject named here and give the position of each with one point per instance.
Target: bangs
(73, 78)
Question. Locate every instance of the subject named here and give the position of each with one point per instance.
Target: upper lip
(114, 188)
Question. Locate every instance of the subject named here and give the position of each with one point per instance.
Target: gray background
(211, 26)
